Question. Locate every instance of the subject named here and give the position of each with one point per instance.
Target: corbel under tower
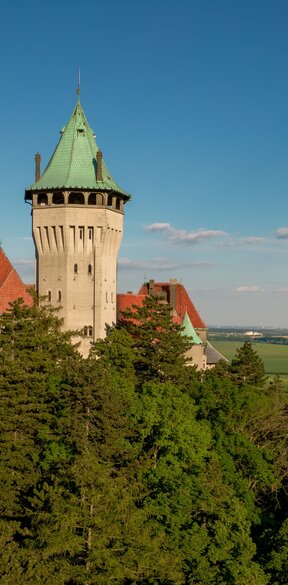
(77, 216)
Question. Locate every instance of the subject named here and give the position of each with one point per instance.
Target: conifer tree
(247, 367)
(159, 348)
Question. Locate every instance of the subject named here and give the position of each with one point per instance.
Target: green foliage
(247, 367)
(159, 348)
(130, 467)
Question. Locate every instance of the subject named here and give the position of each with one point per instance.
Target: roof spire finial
(78, 85)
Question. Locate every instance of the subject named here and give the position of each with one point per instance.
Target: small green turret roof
(189, 330)
(73, 164)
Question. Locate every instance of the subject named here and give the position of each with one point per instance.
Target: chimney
(99, 157)
(151, 287)
(173, 292)
(37, 166)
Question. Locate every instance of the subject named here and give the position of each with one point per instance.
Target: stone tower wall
(76, 251)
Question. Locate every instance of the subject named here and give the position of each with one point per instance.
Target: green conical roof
(189, 330)
(73, 164)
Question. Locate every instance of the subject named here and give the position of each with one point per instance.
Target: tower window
(75, 268)
(42, 199)
(89, 268)
(58, 199)
(59, 295)
(92, 199)
(76, 198)
(109, 202)
(88, 331)
(81, 233)
(90, 233)
(49, 296)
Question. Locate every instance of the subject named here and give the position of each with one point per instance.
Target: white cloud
(248, 241)
(159, 264)
(24, 262)
(158, 227)
(183, 236)
(282, 233)
(249, 289)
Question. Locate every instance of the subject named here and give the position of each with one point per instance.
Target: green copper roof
(73, 164)
(189, 330)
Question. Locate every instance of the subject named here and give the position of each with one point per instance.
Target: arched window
(92, 199)
(118, 203)
(76, 198)
(109, 202)
(89, 268)
(42, 199)
(75, 268)
(58, 198)
(90, 331)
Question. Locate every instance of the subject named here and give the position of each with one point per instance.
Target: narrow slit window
(49, 296)
(89, 268)
(59, 295)
(81, 233)
(75, 268)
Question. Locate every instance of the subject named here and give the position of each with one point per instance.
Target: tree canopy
(130, 467)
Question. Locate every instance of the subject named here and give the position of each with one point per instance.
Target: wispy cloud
(249, 289)
(24, 262)
(282, 233)
(247, 241)
(177, 236)
(159, 264)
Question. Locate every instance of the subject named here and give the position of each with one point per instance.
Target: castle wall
(77, 248)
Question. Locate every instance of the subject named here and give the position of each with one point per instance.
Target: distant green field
(274, 357)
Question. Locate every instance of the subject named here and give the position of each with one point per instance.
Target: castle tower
(77, 216)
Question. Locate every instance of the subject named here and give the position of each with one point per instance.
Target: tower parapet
(77, 217)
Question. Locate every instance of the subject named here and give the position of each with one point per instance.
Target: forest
(133, 468)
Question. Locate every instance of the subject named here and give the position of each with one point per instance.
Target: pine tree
(247, 367)
(158, 345)
(33, 355)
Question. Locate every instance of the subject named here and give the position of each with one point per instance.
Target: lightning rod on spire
(78, 84)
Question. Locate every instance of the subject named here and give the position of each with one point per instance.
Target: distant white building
(253, 334)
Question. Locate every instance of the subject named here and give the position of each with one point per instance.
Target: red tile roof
(176, 296)
(126, 300)
(11, 285)
(183, 302)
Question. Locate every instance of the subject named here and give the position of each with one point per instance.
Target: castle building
(201, 354)
(77, 217)
(77, 220)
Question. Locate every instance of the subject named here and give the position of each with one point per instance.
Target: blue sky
(189, 103)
